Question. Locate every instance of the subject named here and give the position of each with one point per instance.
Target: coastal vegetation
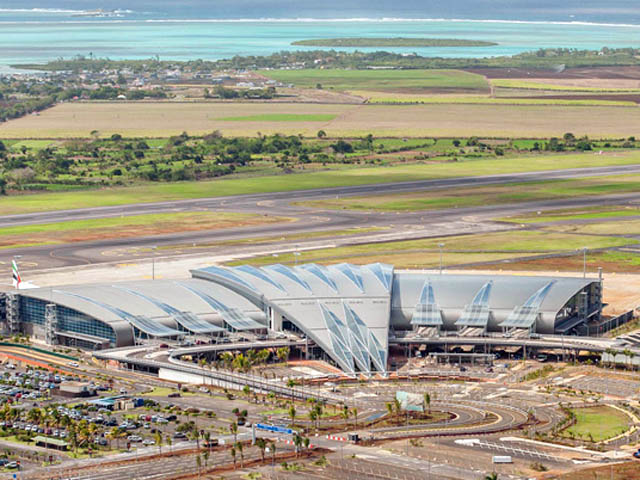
(392, 42)
(147, 170)
(548, 58)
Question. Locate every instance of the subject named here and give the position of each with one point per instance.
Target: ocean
(214, 29)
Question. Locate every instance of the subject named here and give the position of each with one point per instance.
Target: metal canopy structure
(427, 313)
(186, 320)
(477, 313)
(233, 317)
(525, 316)
(142, 323)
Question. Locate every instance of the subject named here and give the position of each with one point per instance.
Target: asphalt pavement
(421, 224)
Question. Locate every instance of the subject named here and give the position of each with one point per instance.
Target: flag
(16, 275)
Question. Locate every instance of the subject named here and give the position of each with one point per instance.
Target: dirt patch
(621, 471)
(187, 223)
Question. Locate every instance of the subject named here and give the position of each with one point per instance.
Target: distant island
(392, 42)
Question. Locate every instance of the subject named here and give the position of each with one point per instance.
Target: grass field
(599, 423)
(381, 80)
(533, 85)
(124, 227)
(585, 213)
(458, 250)
(440, 120)
(614, 227)
(337, 178)
(487, 195)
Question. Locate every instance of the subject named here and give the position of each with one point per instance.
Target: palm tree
(427, 401)
(233, 454)
(205, 457)
(158, 439)
(292, 414)
(233, 428)
(261, 443)
(272, 446)
(203, 364)
(297, 440)
(283, 354)
(389, 406)
(491, 476)
(240, 449)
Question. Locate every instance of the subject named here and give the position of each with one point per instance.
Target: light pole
(584, 262)
(153, 262)
(441, 246)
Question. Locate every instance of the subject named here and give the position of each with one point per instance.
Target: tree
(199, 464)
(158, 439)
(427, 401)
(261, 443)
(233, 428)
(233, 455)
(283, 354)
(322, 134)
(491, 476)
(292, 414)
(297, 441)
(240, 449)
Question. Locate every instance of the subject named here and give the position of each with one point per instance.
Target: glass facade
(69, 320)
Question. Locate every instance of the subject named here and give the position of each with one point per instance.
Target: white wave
(386, 19)
(38, 10)
(59, 10)
(307, 19)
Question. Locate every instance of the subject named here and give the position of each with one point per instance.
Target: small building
(77, 389)
(54, 443)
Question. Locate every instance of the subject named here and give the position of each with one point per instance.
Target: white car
(73, 364)
(148, 442)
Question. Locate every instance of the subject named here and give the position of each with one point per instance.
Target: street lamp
(441, 246)
(153, 262)
(584, 262)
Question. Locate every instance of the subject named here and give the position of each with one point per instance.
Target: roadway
(403, 225)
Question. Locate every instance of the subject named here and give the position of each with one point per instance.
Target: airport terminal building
(348, 312)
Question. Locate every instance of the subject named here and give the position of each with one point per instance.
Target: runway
(392, 226)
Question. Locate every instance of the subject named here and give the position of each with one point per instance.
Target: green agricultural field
(486, 195)
(458, 250)
(409, 81)
(282, 117)
(302, 181)
(533, 85)
(598, 423)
